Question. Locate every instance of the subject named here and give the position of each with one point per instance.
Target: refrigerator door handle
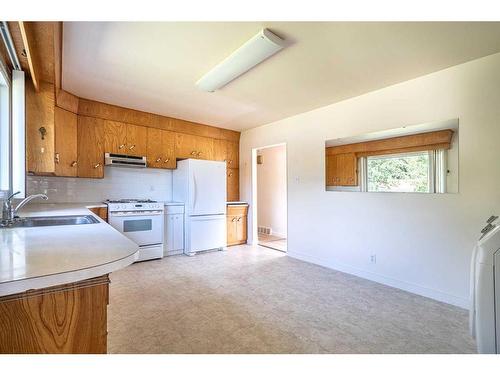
(195, 193)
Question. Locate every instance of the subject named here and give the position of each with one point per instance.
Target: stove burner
(130, 201)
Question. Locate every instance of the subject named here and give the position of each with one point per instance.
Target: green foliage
(407, 173)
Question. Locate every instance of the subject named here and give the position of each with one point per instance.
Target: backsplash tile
(118, 183)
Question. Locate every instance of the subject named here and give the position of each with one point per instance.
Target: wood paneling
(237, 224)
(233, 185)
(40, 114)
(394, 144)
(115, 137)
(70, 318)
(168, 147)
(67, 101)
(66, 125)
(27, 36)
(90, 147)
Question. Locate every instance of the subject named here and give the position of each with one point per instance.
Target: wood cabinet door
(115, 137)
(232, 237)
(168, 150)
(90, 147)
(40, 118)
(185, 146)
(233, 159)
(136, 140)
(233, 185)
(205, 148)
(348, 169)
(241, 229)
(220, 150)
(154, 154)
(332, 176)
(66, 125)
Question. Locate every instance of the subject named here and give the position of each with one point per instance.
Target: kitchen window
(411, 172)
(413, 159)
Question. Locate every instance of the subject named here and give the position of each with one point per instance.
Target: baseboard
(395, 283)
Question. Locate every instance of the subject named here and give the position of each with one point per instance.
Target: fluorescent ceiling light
(253, 52)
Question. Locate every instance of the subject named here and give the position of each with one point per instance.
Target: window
(409, 172)
(4, 130)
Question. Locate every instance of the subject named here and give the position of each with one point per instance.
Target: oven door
(143, 227)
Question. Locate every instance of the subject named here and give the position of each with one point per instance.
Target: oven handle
(137, 213)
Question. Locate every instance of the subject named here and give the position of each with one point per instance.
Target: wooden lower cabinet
(237, 224)
(69, 318)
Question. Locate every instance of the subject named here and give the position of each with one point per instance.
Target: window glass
(137, 225)
(399, 173)
(4, 133)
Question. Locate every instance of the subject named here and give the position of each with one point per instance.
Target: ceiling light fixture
(253, 52)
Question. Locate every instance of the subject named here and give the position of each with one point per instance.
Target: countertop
(39, 257)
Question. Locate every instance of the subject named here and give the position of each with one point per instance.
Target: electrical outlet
(373, 258)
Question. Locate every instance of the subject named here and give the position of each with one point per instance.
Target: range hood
(118, 160)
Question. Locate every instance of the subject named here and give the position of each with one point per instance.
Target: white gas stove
(141, 220)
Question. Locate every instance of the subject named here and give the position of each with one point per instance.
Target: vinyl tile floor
(256, 300)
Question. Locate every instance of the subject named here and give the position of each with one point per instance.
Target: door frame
(255, 210)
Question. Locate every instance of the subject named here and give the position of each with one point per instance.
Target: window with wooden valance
(436, 140)
(416, 162)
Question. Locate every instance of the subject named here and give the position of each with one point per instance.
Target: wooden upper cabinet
(341, 170)
(220, 150)
(232, 155)
(40, 139)
(136, 140)
(233, 185)
(168, 147)
(115, 137)
(160, 149)
(90, 147)
(66, 124)
(193, 146)
(154, 148)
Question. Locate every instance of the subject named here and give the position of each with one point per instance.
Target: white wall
(117, 183)
(271, 187)
(423, 242)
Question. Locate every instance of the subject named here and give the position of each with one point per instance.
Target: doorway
(271, 196)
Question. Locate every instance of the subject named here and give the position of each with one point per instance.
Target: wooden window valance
(436, 140)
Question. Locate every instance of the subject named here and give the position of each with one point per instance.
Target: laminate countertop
(39, 257)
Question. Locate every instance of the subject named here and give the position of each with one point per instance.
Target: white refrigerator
(201, 185)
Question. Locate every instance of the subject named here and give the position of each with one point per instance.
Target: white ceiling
(153, 67)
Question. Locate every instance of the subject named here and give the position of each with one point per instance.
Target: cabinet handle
(57, 158)
(234, 219)
(73, 164)
(239, 218)
(230, 174)
(131, 147)
(199, 153)
(121, 146)
(193, 152)
(229, 161)
(158, 160)
(167, 160)
(97, 165)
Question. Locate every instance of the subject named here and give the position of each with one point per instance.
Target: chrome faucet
(9, 213)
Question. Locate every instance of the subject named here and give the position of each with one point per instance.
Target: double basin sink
(47, 221)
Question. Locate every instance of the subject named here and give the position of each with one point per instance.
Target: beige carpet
(257, 300)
